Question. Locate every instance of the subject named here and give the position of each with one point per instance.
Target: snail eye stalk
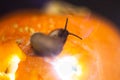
(75, 35)
(65, 29)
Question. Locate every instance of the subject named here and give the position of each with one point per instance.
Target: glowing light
(13, 64)
(13, 67)
(67, 68)
(11, 76)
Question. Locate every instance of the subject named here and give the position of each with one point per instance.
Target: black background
(107, 8)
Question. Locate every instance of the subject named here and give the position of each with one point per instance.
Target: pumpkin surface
(98, 53)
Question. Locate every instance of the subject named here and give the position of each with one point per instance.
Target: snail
(52, 44)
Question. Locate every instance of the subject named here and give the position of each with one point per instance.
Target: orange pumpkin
(97, 54)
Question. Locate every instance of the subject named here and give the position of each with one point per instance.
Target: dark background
(107, 8)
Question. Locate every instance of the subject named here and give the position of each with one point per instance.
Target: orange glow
(97, 54)
(10, 57)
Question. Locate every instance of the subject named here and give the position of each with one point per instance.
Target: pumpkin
(96, 57)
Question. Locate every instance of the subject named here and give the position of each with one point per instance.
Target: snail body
(44, 45)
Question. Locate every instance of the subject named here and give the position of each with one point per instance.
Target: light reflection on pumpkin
(67, 68)
(10, 57)
(13, 66)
